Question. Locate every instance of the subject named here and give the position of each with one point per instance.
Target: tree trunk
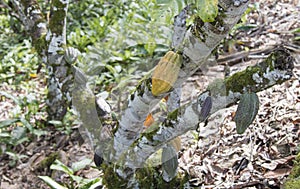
(50, 44)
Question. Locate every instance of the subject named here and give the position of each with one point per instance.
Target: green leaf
(27, 124)
(297, 38)
(50, 182)
(61, 167)
(150, 46)
(7, 95)
(246, 111)
(77, 179)
(92, 184)
(207, 10)
(81, 164)
(169, 162)
(18, 133)
(4, 135)
(56, 123)
(7, 122)
(296, 30)
(39, 132)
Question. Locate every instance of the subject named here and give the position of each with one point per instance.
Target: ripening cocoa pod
(246, 111)
(166, 73)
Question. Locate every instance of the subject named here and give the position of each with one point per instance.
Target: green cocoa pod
(246, 111)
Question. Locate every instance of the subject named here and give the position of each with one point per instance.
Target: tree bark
(131, 148)
(60, 71)
(276, 69)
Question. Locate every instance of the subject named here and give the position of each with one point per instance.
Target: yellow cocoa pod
(166, 73)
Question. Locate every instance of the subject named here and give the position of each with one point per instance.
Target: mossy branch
(276, 69)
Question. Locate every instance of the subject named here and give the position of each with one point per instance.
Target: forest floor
(262, 157)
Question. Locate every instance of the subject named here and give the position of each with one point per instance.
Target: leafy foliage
(16, 54)
(77, 182)
(207, 10)
(18, 71)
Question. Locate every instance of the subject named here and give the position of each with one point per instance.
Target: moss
(40, 44)
(296, 169)
(292, 184)
(238, 81)
(47, 162)
(244, 79)
(150, 178)
(58, 4)
(150, 132)
(173, 115)
(197, 29)
(111, 179)
(147, 178)
(293, 180)
(57, 18)
(140, 88)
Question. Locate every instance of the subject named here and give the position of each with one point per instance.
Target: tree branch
(276, 69)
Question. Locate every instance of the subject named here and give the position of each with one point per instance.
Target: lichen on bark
(34, 23)
(60, 72)
(274, 70)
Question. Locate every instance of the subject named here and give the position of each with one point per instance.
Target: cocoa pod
(246, 111)
(166, 73)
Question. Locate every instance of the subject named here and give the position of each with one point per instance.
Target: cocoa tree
(122, 146)
(126, 149)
